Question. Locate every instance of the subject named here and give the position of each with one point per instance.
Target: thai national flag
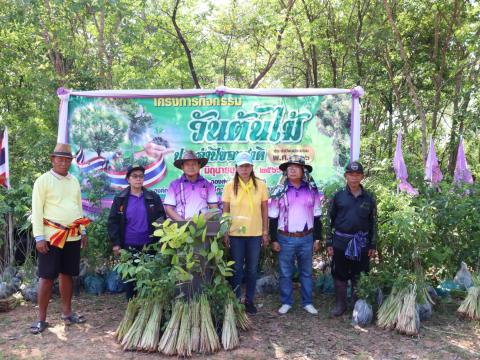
(96, 163)
(154, 173)
(4, 171)
(80, 156)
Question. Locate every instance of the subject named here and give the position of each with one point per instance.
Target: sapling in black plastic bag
(463, 276)
(362, 313)
(366, 289)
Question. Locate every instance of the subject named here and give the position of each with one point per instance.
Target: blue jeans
(245, 251)
(302, 249)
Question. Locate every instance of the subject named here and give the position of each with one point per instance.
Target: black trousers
(345, 269)
(130, 291)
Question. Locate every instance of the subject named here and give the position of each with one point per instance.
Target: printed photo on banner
(109, 134)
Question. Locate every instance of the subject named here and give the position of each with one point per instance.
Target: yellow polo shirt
(246, 212)
(56, 198)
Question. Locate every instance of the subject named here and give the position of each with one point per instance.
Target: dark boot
(340, 298)
(130, 290)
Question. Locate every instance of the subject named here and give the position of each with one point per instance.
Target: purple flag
(461, 168)
(433, 174)
(401, 169)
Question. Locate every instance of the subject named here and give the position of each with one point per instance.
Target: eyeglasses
(137, 176)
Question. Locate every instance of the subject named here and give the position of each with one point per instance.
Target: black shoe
(250, 308)
(38, 327)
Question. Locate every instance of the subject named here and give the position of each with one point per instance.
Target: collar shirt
(297, 209)
(136, 226)
(190, 198)
(349, 214)
(246, 207)
(60, 177)
(58, 199)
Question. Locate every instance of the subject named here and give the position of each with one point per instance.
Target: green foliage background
(431, 88)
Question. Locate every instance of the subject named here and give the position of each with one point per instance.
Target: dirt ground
(296, 335)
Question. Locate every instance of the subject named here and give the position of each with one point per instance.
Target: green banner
(109, 134)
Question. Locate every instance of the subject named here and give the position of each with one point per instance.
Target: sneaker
(284, 309)
(250, 308)
(310, 309)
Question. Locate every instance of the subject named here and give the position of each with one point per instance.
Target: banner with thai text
(109, 131)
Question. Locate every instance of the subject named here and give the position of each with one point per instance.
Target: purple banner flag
(401, 169)
(461, 168)
(433, 174)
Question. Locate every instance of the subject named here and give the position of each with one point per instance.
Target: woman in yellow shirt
(245, 198)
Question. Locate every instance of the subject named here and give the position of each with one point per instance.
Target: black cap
(133, 168)
(354, 166)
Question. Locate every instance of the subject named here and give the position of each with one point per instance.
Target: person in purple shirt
(294, 214)
(190, 194)
(131, 216)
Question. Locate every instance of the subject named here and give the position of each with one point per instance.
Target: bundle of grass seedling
(389, 311)
(128, 319)
(184, 339)
(190, 329)
(229, 331)
(209, 342)
(133, 337)
(398, 311)
(141, 324)
(168, 342)
(193, 323)
(408, 322)
(243, 321)
(151, 334)
(470, 307)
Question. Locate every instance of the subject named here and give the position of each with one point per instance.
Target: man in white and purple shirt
(190, 194)
(294, 214)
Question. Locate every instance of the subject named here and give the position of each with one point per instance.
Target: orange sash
(59, 238)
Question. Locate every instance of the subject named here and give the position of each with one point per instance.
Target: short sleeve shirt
(190, 198)
(246, 219)
(296, 209)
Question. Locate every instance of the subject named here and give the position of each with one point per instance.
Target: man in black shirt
(351, 234)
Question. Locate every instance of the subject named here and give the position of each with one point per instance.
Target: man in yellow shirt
(58, 227)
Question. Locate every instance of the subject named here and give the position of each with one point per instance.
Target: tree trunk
(390, 125)
(411, 87)
(396, 91)
(312, 16)
(438, 78)
(453, 132)
(278, 47)
(308, 68)
(314, 65)
(361, 12)
(187, 50)
(225, 59)
(54, 52)
(100, 25)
